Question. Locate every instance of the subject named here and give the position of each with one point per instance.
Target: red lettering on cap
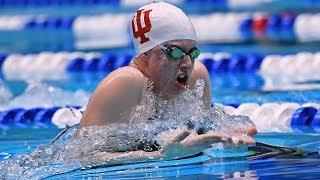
(141, 31)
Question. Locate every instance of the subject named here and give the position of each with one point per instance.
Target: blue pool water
(227, 88)
(284, 155)
(299, 159)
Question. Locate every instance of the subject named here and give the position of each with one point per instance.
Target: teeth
(182, 76)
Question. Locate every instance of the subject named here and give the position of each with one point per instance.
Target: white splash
(144, 132)
(5, 94)
(42, 95)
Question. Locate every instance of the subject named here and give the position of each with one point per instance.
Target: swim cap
(157, 23)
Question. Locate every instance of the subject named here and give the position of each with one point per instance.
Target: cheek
(163, 71)
(166, 71)
(158, 75)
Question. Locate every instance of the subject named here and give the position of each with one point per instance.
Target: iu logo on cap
(141, 31)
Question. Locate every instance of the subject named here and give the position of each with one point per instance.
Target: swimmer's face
(171, 76)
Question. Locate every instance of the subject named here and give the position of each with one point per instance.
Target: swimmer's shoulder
(200, 70)
(126, 76)
(115, 97)
(126, 83)
(128, 71)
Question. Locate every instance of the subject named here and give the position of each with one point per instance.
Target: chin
(169, 94)
(176, 91)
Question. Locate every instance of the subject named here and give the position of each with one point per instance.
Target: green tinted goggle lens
(177, 53)
(194, 53)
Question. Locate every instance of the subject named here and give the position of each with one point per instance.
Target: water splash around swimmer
(145, 131)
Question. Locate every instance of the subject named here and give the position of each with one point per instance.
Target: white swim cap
(157, 23)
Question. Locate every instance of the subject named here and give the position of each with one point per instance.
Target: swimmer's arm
(180, 144)
(117, 158)
(177, 145)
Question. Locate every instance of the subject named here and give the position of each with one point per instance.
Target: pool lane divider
(228, 27)
(25, 116)
(303, 63)
(216, 4)
(55, 3)
(279, 117)
(268, 117)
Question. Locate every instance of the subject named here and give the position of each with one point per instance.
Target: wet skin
(118, 94)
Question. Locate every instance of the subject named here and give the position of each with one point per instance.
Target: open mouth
(182, 78)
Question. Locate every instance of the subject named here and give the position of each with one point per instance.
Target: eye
(195, 52)
(176, 53)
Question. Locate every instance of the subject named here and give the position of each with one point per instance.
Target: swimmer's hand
(176, 145)
(182, 143)
(187, 143)
(242, 139)
(249, 132)
(244, 136)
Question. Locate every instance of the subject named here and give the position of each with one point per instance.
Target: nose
(186, 62)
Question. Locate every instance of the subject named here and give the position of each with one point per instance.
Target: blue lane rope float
(221, 65)
(107, 62)
(303, 117)
(44, 3)
(316, 120)
(26, 116)
(217, 4)
(235, 63)
(233, 105)
(273, 27)
(45, 115)
(300, 63)
(91, 65)
(76, 64)
(110, 62)
(208, 62)
(245, 29)
(274, 23)
(2, 59)
(253, 62)
(57, 23)
(7, 117)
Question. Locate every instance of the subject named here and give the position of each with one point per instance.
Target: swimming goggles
(176, 53)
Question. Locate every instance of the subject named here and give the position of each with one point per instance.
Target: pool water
(281, 155)
(294, 155)
(227, 88)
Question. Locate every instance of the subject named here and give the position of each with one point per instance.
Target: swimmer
(166, 49)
